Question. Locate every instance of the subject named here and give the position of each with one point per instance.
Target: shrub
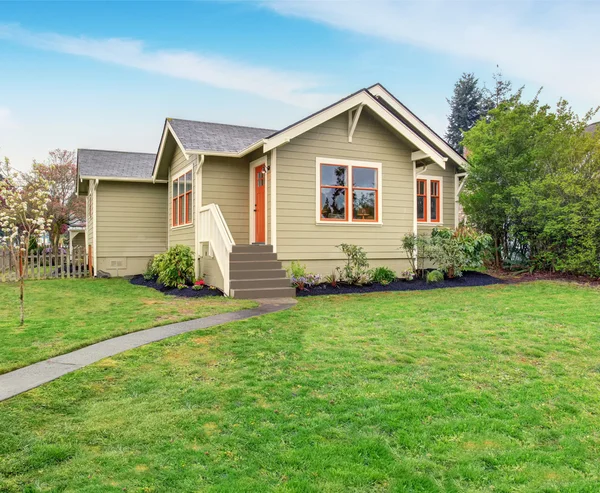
(175, 267)
(453, 251)
(408, 274)
(356, 270)
(417, 250)
(383, 275)
(435, 276)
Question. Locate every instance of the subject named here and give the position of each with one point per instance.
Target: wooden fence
(47, 263)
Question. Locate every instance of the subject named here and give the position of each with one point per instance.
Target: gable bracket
(353, 116)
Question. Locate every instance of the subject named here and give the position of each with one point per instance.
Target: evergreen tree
(465, 109)
(500, 92)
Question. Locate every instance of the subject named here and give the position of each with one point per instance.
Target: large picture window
(429, 200)
(348, 191)
(182, 199)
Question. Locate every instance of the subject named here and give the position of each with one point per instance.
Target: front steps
(255, 272)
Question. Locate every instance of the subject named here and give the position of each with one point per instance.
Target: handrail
(213, 229)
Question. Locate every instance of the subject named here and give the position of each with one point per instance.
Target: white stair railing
(214, 230)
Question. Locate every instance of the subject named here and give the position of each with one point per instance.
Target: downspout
(197, 205)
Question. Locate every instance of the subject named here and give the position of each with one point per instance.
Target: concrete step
(253, 265)
(256, 293)
(251, 256)
(279, 282)
(252, 249)
(245, 275)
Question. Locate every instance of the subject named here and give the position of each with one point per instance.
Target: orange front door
(259, 205)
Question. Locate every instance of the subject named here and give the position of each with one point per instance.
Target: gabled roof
(216, 137)
(419, 126)
(95, 164)
(592, 127)
(356, 102)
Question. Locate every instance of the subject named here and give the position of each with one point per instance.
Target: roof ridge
(112, 150)
(217, 123)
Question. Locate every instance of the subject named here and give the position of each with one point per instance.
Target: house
(364, 170)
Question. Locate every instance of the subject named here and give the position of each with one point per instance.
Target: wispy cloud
(554, 44)
(298, 89)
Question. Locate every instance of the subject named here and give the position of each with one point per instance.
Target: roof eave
(123, 178)
(381, 91)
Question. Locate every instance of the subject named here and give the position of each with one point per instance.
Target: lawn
(491, 388)
(65, 314)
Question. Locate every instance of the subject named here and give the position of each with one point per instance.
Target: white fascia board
(161, 149)
(378, 90)
(366, 99)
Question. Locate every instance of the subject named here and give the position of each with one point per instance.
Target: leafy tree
(65, 207)
(534, 185)
(23, 210)
(465, 109)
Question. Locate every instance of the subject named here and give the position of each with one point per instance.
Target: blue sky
(105, 75)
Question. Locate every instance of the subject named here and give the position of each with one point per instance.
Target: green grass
(477, 389)
(63, 315)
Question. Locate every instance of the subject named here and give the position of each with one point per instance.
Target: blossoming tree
(23, 207)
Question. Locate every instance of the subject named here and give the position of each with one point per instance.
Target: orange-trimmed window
(422, 201)
(364, 194)
(434, 197)
(182, 199)
(334, 192)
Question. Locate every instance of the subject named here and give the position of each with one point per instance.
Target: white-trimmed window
(429, 199)
(348, 192)
(181, 199)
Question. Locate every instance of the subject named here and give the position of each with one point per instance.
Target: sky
(105, 75)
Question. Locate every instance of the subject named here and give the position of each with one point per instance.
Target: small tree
(23, 208)
(65, 208)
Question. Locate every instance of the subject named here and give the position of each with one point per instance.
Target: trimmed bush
(383, 275)
(435, 276)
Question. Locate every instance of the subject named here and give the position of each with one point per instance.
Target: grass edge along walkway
(32, 376)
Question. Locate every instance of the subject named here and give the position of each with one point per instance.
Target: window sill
(421, 223)
(183, 226)
(347, 223)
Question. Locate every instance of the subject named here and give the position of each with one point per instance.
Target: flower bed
(470, 278)
(187, 292)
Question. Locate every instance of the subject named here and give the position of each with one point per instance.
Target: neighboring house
(77, 237)
(592, 127)
(363, 171)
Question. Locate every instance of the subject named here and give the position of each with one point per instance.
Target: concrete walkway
(29, 377)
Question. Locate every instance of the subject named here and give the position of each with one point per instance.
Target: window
(429, 200)
(422, 200)
(348, 191)
(182, 199)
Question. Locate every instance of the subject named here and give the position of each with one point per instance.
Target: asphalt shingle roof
(116, 164)
(216, 137)
(592, 127)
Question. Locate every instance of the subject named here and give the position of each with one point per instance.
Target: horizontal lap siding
(180, 235)
(298, 235)
(225, 183)
(447, 196)
(130, 219)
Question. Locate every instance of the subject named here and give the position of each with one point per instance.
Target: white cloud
(554, 44)
(293, 88)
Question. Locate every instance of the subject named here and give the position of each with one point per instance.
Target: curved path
(29, 377)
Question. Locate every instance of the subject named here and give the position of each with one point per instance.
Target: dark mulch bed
(468, 279)
(184, 293)
(513, 277)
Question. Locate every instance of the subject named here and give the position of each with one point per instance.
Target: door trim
(252, 195)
